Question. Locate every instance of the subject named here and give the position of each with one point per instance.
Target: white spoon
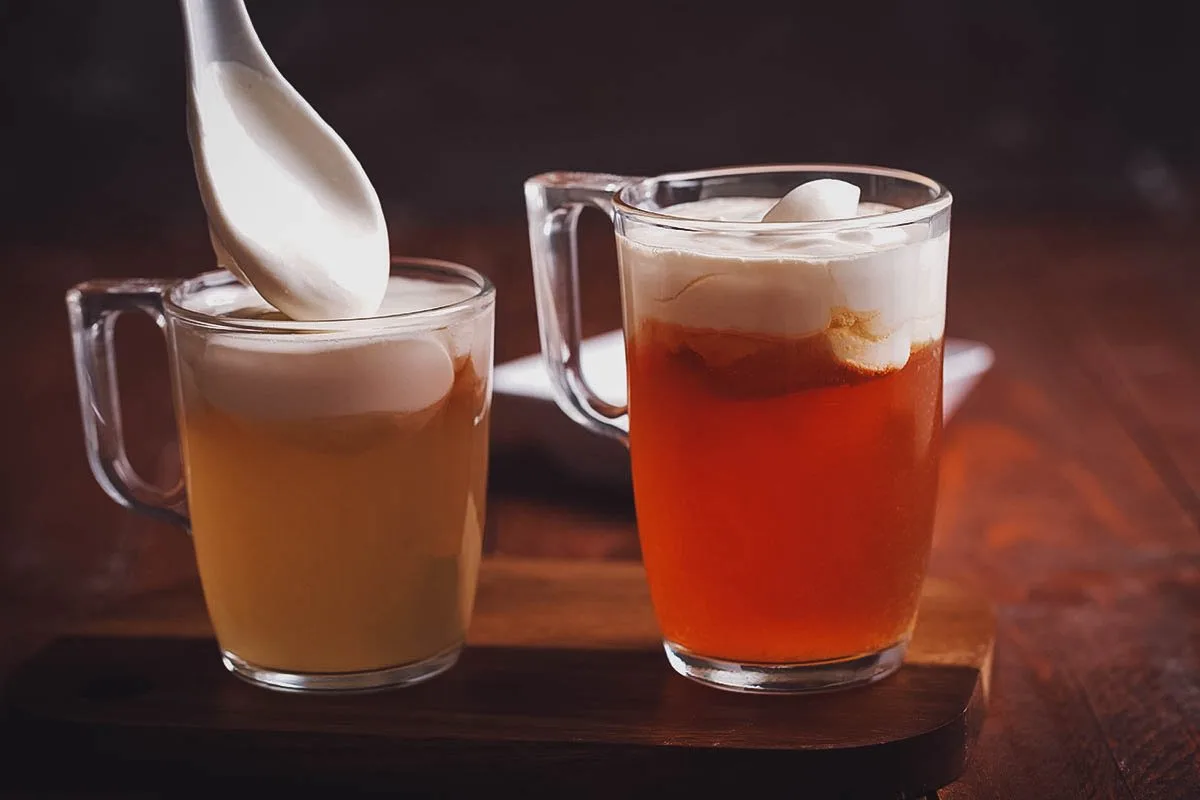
(291, 211)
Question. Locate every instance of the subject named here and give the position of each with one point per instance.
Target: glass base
(813, 676)
(368, 681)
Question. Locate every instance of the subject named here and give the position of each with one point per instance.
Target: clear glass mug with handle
(784, 408)
(335, 471)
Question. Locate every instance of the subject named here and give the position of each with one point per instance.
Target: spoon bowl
(291, 210)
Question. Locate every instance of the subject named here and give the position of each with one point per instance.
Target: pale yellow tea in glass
(336, 477)
(336, 488)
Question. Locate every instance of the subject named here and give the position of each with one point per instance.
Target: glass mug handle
(94, 308)
(553, 202)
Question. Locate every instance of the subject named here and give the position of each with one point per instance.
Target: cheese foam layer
(304, 375)
(875, 293)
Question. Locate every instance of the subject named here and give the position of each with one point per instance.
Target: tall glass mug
(335, 471)
(785, 408)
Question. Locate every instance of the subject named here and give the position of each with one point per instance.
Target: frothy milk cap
(203, 299)
(938, 200)
(401, 361)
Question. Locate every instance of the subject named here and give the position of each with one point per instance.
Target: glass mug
(335, 471)
(784, 408)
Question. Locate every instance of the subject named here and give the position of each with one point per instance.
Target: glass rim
(940, 201)
(465, 308)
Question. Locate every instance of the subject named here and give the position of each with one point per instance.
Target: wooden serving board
(563, 688)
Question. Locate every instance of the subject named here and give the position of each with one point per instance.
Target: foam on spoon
(294, 217)
(290, 211)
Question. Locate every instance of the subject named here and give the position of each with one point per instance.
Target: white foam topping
(821, 199)
(874, 292)
(290, 210)
(291, 376)
(303, 377)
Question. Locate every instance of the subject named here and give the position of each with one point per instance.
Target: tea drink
(336, 484)
(785, 415)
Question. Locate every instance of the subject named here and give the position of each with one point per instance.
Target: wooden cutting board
(563, 688)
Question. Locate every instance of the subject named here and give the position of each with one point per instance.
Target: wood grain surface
(564, 665)
(573, 604)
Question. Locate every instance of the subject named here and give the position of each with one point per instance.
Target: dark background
(1021, 107)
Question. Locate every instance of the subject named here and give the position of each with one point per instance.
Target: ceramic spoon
(291, 211)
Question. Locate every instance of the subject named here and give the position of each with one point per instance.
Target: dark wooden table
(1071, 479)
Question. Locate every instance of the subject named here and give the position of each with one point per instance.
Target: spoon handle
(220, 30)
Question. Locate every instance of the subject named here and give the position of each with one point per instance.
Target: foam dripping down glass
(784, 415)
